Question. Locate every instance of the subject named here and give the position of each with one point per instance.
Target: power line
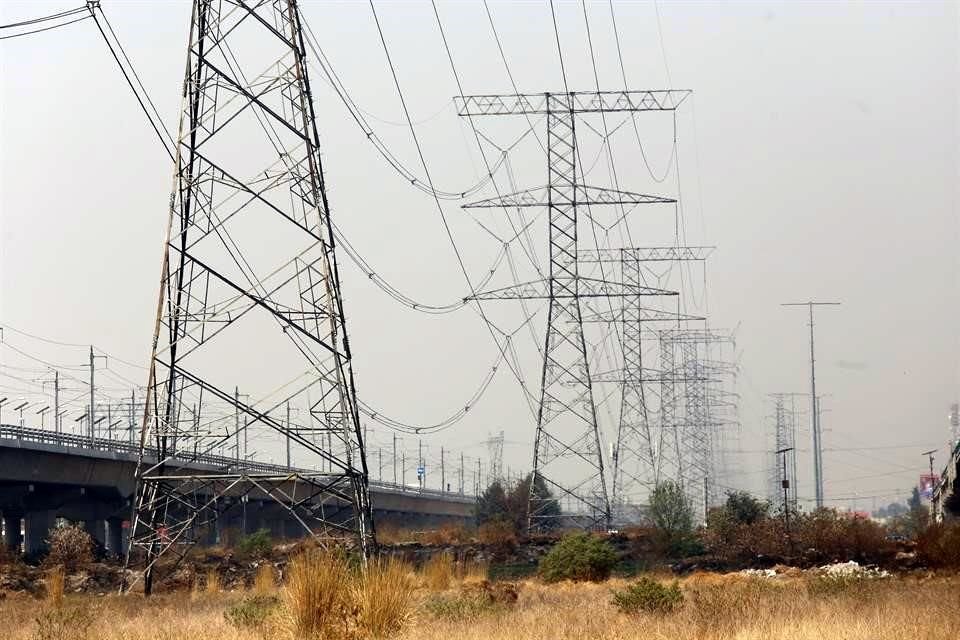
(34, 31)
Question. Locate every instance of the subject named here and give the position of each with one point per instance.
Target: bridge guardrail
(70, 440)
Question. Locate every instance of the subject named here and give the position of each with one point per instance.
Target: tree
(492, 505)
(509, 505)
(672, 516)
(745, 509)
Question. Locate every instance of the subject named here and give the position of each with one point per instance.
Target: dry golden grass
(212, 584)
(317, 593)
(56, 581)
(716, 608)
(439, 572)
(265, 580)
(384, 597)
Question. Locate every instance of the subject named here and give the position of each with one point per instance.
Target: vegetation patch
(648, 595)
(256, 545)
(578, 557)
(251, 612)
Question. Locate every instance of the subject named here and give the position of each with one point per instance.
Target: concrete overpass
(46, 475)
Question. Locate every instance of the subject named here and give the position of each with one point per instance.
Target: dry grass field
(326, 600)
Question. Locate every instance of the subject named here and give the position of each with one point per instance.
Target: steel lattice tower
(249, 274)
(784, 437)
(635, 455)
(567, 456)
(689, 442)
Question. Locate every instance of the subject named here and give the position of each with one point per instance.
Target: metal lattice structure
(635, 447)
(568, 457)
(692, 414)
(785, 440)
(248, 268)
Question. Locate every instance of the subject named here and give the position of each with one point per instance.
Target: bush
(459, 607)
(438, 572)
(578, 557)
(650, 596)
(317, 595)
(938, 546)
(251, 612)
(383, 599)
(474, 601)
(70, 547)
(256, 545)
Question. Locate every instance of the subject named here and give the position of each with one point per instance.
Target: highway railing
(86, 443)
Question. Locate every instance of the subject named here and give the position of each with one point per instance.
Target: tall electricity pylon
(249, 301)
(688, 441)
(784, 440)
(634, 458)
(567, 456)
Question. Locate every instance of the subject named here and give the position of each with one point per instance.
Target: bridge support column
(38, 525)
(115, 536)
(96, 529)
(13, 537)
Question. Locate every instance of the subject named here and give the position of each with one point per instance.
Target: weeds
(383, 597)
(265, 580)
(255, 545)
(438, 572)
(251, 612)
(317, 594)
(212, 584)
(56, 580)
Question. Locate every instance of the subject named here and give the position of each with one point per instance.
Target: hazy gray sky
(819, 153)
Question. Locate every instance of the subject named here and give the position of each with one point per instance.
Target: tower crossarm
(645, 254)
(584, 195)
(577, 288)
(577, 101)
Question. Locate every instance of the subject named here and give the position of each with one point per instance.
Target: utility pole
(785, 483)
(706, 497)
(403, 469)
(461, 473)
(133, 400)
(421, 471)
(236, 422)
(814, 408)
(56, 401)
(933, 510)
(91, 418)
(289, 427)
(443, 476)
(394, 459)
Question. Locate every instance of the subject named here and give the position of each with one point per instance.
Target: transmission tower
(249, 300)
(567, 457)
(495, 451)
(784, 439)
(688, 441)
(634, 449)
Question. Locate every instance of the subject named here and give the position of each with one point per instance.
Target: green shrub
(461, 606)
(648, 595)
(578, 557)
(257, 544)
(251, 612)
